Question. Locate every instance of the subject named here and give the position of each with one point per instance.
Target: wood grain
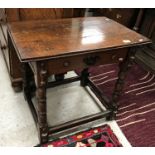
(51, 38)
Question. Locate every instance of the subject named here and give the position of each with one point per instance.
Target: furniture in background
(50, 47)
(11, 15)
(140, 20)
(146, 56)
(125, 16)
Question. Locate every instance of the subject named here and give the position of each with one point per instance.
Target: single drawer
(69, 63)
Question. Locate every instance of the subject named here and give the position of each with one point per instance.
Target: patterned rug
(136, 114)
(101, 136)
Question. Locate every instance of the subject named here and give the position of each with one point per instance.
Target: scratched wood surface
(36, 40)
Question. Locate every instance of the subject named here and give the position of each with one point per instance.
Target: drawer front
(65, 64)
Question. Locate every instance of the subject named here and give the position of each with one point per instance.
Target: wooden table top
(37, 40)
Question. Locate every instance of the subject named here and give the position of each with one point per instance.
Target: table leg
(124, 67)
(84, 77)
(41, 102)
(59, 77)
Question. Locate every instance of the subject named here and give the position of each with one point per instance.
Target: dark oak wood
(103, 99)
(146, 56)
(56, 46)
(60, 82)
(125, 65)
(24, 14)
(41, 83)
(15, 74)
(78, 122)
(70, 62)
(84, 77)
(139, 20)
(128, 17)
(70, 36)
(124, 16)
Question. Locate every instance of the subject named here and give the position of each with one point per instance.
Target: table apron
(66, 64)
(69, 63)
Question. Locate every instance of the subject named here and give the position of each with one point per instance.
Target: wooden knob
(113, 57)
(66, 64)
(118, 16)
(120, 59)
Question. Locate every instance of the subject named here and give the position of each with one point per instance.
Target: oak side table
(56, 46)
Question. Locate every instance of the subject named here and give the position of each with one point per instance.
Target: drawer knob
(120, 59)
(113, 57)
(118, 16)
(66, 64)
(91, 60)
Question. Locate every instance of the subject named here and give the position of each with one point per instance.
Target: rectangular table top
(43, 39)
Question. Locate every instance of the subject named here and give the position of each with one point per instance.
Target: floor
(69, 101)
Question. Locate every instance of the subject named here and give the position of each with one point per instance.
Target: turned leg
(84, 77)
(124, 67)
(41, 102)
(17, 84)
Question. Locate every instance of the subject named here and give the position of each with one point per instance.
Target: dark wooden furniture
(10, 15)
(57, 46)
(141, 20)
(146, 56)
(125, 16)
